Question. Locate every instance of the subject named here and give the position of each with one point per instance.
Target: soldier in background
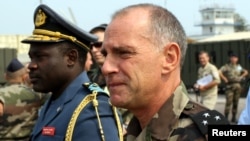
(19, 104)
(95, 73)
(209, 89)
(232, 74)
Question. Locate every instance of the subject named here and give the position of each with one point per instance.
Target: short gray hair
(164, 26)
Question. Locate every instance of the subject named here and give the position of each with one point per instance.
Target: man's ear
(72, 56)
(172, 57)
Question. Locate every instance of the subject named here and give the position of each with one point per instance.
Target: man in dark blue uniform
(77, 109)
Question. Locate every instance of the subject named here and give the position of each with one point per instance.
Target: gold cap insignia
(40, 18)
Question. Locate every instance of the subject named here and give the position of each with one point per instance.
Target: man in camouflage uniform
(232, 74)
(209, 90)
(145, 47)
(19, 104)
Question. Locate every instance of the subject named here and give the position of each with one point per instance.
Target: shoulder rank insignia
(208, 117)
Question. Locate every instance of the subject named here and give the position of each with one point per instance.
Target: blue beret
(100, 27)
(50, 27)
(14, 65)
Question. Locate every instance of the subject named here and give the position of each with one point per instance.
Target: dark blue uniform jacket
(55, 116)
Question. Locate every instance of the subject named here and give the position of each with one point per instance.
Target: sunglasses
(95, 44)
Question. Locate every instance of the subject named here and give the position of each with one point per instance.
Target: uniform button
(58, 109)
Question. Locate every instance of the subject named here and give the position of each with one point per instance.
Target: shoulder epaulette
(92, 98)
(204, 117)
(201, 117)
(208, 117)
(94, 87)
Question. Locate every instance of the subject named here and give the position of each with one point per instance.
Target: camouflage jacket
(95, 75)
(21, 106)
(232, 72)
(178, 119)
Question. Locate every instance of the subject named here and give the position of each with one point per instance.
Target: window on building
(211, 29)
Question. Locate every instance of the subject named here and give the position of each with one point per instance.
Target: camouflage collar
(165, 121)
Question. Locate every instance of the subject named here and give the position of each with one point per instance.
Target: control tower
(217, 20)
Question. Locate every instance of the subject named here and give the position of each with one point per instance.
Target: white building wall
(223, 29)
(224, 21)
(206, 31)
(14, 41)
(213, 30)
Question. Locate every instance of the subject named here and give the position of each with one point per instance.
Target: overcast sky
(17, 15)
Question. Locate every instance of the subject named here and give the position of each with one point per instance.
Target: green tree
(240, 23)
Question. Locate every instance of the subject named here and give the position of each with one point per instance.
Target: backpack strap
(95, 90)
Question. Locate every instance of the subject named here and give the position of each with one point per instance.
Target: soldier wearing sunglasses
(95, 73)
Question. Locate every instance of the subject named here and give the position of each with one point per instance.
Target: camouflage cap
(50, 27)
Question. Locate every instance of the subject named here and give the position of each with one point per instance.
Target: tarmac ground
(220, 105)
